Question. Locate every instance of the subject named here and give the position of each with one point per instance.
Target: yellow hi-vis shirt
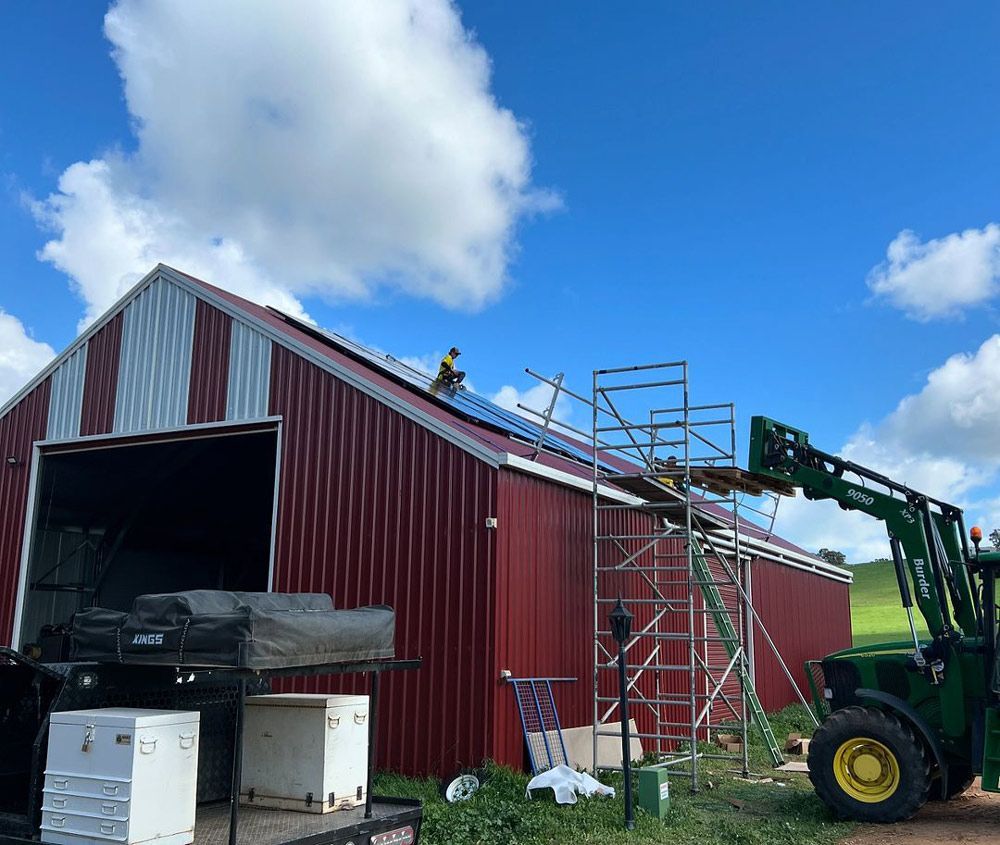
(447, 366)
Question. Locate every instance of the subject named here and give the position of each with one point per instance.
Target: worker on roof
(447, 374)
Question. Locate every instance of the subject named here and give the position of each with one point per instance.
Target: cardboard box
(795, 744)
(730, 743)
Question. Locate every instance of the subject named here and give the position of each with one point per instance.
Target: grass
(877, 615)
(772, 813)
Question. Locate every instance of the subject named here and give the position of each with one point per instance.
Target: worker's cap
(455, 351)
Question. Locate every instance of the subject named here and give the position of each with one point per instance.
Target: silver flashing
(155, 370)
(249, 386)
(66, 401)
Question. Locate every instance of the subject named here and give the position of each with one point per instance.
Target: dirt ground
(970, 819)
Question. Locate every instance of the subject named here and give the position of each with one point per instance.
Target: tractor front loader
(914, 720)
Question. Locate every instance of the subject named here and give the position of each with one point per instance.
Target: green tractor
(910, 721)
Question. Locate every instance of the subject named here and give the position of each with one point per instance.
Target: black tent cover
(216, 628)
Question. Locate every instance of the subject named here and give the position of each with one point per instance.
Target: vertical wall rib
(209, 365)
(19, 429)
(155, 369)
(249, 374)
(101, 382)
(66, 400)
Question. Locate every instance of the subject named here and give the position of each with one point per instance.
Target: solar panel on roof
(470, 405)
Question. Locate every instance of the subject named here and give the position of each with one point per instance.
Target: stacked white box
(305, 752)
(121, 776)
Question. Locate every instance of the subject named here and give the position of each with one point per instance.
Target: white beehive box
(305, 752)
(121, 775)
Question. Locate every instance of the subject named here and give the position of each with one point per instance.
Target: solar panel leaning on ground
(469, 405)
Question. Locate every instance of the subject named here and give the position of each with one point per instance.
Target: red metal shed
(192, 438)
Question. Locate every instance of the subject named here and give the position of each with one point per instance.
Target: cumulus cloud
(21, 356)
(537, 398)
(958, 410)
(942, 441)
(109, 240)
(337, 149)
(939, 277)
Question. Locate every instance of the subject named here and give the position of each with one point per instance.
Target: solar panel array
(467, 404)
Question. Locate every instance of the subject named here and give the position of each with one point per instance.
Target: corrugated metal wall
(249, 374)
(374, 508)
(155, 369)
(807, 616)
(209, 365)
(24, 424)
(66, 402)
(544, 600)
(543, 618)
(101, 382)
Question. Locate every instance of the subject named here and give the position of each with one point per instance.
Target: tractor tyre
(867, 765)
(960, 778)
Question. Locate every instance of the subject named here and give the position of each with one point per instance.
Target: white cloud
(537, 398)
(940, 277)
(957, 412)
(341, 148)
(21, 356)
(943, 441)
(109, 240)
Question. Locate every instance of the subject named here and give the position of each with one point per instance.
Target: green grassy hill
(876, 612)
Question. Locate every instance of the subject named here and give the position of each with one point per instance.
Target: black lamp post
(621, 628)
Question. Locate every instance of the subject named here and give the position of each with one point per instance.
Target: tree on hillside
(833, 556)
(995, 539)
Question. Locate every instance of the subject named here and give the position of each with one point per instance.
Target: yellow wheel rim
(866, 770)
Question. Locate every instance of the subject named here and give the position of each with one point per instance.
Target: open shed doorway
(119, 521)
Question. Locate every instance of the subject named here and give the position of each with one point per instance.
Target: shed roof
(488, 442)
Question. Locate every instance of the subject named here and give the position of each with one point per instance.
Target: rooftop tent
(117, 521)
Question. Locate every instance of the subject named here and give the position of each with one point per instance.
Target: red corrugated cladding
(544, 614)
(543, 620)
(807, 616)
(209, 365)
(24, 424)
(101, 381)
(376, 509)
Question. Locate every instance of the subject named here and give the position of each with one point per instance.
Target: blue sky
(709, 184)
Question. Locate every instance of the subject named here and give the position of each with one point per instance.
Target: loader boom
(928, 533)
(904, 722)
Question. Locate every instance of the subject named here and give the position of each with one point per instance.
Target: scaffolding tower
(671, 549)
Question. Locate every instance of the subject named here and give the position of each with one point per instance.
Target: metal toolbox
(305, 752)
(120, 775)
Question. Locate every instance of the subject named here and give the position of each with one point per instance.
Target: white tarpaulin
(567, 784)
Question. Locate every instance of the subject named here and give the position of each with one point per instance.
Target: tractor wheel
(866, 765)
(960, 778)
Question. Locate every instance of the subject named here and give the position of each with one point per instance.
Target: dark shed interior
(116, 522)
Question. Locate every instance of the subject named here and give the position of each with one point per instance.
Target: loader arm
(925, 533)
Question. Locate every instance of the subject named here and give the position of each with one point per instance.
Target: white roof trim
(567, 479)
(786, 557)
(429, 422)
(94, 328)
(346, 375)
(723, 538)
